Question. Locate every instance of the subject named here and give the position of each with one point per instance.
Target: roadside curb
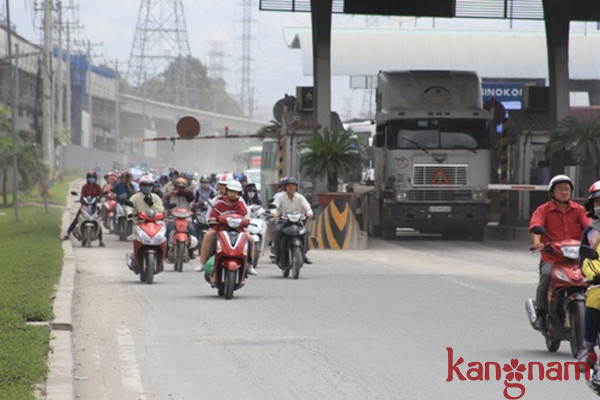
(61, 364)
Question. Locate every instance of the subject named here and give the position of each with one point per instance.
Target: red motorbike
(566, 296)
(149, 246)
(231, 255)
(108, 213)
(181, 241)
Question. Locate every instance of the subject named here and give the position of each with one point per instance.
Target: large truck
(432, 155)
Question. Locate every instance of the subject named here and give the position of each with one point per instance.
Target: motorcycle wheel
(150, 267)
(122, 230)
(576, 317)
(296, 261)
(86, 240)
(229, 284)
(180, 256)
(552, 344)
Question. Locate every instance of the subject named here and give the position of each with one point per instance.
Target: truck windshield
(438, 134)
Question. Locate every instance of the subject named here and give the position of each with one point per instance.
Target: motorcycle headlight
(295, 217)
(561, 275)
(571, 252)
(234, 222)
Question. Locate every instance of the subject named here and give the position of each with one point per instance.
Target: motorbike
(257, 228)
(108, 213)
(149, 246)
(199, 221)
(231, 255)
(293, 238)
(180, 241)
(566, 296)
(88, 227)
(124, 223)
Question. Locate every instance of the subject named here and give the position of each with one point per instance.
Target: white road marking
(130, 376)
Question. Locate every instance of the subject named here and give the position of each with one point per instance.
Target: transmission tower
(216, 59)
(246, 100)
(160, 38)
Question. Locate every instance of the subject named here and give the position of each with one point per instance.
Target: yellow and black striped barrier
(336, 228)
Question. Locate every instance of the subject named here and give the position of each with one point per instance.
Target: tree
(330, 154)
(580, 136)
(185, 82)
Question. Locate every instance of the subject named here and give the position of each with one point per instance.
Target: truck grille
(439, 195)
(440, 175)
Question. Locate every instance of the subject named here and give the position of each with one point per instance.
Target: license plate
(440, 209)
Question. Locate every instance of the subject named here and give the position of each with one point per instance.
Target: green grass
(31, 265)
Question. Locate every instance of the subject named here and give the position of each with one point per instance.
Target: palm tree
(582, 137)
(330, 154)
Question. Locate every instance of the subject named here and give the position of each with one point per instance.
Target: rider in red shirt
(228, 204)
(563, 219)
(90, 188)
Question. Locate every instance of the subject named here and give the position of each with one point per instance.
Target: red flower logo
(514, 370)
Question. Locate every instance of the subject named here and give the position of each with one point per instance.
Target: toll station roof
(492, 54)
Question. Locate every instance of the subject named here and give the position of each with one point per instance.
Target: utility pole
(13, 110)
(59, 74)
(47, 131)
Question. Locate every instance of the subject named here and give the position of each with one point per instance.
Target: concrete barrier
(336, 228)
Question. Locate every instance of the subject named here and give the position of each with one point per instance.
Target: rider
(90, 188)
(591, 270)
(563, 219)
(181, 197)
(288, 201)
(251, 195)
(144, 201)
(230, 204)
(203, 191)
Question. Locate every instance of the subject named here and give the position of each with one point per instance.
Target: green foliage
(186, 82)
(582, 137)
(329, 153)
(27, 281)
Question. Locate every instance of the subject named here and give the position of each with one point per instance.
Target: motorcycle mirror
(272, 206)
(588, 252)
(538, 230)
(74, 193)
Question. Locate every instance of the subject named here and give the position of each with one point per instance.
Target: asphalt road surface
(390, 322)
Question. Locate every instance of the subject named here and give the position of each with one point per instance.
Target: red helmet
(593, 193)
(225, 177)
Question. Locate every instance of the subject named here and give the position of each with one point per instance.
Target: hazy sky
(275, 69)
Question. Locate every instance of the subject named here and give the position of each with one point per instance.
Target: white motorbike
(88, 226)
(257, 228)
(124, 223)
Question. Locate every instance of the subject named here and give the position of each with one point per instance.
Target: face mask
(251, 195)
(91, 180)
(597, 211)
(145, 189)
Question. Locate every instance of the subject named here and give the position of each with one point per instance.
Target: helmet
(146, 180)
(180, 182)
(291, 181)
(225, 178)
(91, 174)
(189, 176)
(282, 181)
(249, 187)
(558, 179)
(234, 186)
(205, 179)
(125, 174)
(593, 193)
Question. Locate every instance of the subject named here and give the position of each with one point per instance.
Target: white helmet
(234, 186)
(559, 179)
(225, 178)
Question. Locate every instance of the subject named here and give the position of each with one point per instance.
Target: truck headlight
(401, 196)
(479, 194)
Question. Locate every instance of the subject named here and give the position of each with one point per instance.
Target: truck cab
(432, 154)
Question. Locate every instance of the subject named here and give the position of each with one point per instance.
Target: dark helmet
(593, 193)
(91, 174)
(126, 174)
(205, 179)
(291, 181)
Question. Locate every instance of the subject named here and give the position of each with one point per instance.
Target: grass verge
(31, 265)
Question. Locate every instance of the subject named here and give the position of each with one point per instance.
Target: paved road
(373, 324)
